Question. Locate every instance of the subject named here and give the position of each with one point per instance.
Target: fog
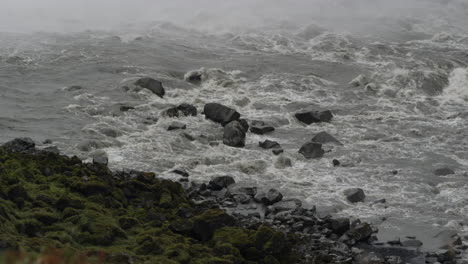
(72, 15)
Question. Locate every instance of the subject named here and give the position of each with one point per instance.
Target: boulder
(220, 113)
(221, 182)
(314, 117)
(336, 163)
(176, 125)
(269, 144)
(151, 84)
(312, 150)
(340, 225)
(187, 109)
(171, 112)
(234, 135)
(260, 128)
(268, 198)
(277, 151)
(360, 232)
(244, 124)
(20, 145)
(205, 225)
(325, 138)
(181, 172)
(443, 171)
(354, 195)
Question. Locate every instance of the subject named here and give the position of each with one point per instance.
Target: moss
(48, 200)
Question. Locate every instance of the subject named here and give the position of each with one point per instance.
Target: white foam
(457, 90)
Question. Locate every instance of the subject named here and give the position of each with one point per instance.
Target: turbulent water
(412, 117)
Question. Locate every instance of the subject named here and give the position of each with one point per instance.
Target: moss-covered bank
(53, 201)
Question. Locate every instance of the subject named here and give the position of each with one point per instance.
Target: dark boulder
(181, 172)
(340, 225)
(151, 84)
(444, 171)
(336, 163)
(176, 125)
(172, 112)
(277, 151)
(20, 145)
(325, 138)
(126, 108)
(361, 232)
(268, 198)
(314, 117)
(244, 124)
(187, 109)
(354, 195)
(269, 144)
(220, 113)
(260, 128)
(205, 225)
(234, 135)
(312, 150)
(221, 182)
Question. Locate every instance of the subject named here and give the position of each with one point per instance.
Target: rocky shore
(51, 201)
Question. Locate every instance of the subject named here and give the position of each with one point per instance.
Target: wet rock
(126, 108)
(325, 138)
(234, 135)
(53, 150)
(73, 88)
(20, 145)
(100, 157)
(176, 126)
(220, 113)
(354, 195)
(336, 163)
(269, 144)
(443, 171)
(314, 117)
(360, 232)
(244, 124)
(260, 128)
(445, 255)
(187, 109)
(193, 76)
(47, 142)
(171, 112)
(360, 80)
(283, 162)
(286, 205)
(221, 182)
(250, 191)
(151, 84)
(411, 243)
(433, 83)
(312, 150)
(181, 172)
(394, 242)
(340, 225)
(269, 198)
(150, 120)
(277, 151)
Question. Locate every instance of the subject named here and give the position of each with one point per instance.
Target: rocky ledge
(51, 201)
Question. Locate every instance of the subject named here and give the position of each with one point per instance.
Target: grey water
(63, 67)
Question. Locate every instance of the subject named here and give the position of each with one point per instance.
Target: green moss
(48, 200)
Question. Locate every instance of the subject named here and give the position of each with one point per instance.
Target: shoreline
(316, 240)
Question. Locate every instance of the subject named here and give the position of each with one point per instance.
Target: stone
(340, 225)
(171, 112)
(20, 144)
(312, 150)
(354, 195)
(411, 243)
(445, 255)
(181, 172)
(100, 157)
(336, 163)
(360, 232)
(187, 109)
(286, 205)
(325, 138)
(218, 183)
(283, 162)
(277, 151)
(269, 198)
(220, 113)
(126, 108)
(443, 171)
(151, 84)
(260, 128)
(314, 117)
(234, 135)
(244, 124)
(176, 126)
(269, 144)
(236, 189)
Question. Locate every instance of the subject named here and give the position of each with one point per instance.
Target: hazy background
(68, 15)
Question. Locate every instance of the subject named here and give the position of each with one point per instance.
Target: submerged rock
(220, 113)
(176, 126)
(260, 128)
(312, 150)
(187, 109)
(325, 138)
(269, 144)
(354, 195)
(443, 171)
(151, 84)
(314, 117)
(234, 135)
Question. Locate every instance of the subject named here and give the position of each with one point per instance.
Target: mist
(63, 16)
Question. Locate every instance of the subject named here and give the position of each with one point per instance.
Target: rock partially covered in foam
(360, 80)
(220, 113)
(234, 135)
(314, 116)
(151, 84)
(312, 150)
